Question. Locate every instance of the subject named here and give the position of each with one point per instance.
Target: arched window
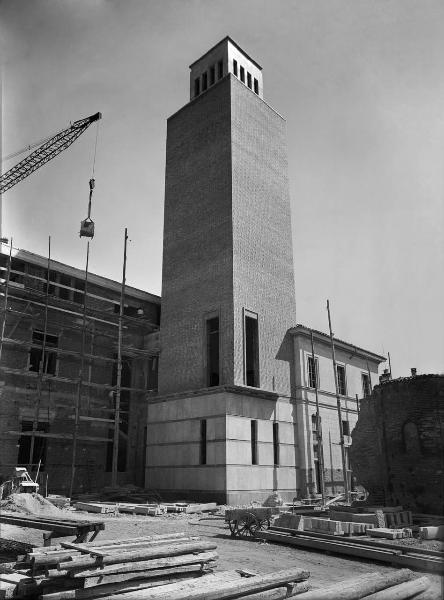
(410, 438)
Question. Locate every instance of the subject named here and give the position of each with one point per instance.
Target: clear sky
(361, 84)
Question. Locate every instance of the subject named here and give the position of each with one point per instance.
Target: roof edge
(227, 39)
(300, 329)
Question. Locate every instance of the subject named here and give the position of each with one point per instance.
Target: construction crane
(46, 152)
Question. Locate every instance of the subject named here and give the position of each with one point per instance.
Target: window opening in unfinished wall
(196, 86)
(249, 80)
(203, 442)
(242, 74)
(256, 86)
(313, 372)
(342, 384)
(410, 438)
(366, 389)
(204, 81)
(254, 457)
(276, 444)
(235, 67)
(220, 69)
(40, 445)
(251, 342)
(36, 353)
(212, 335)
(212, 74)
(346, 427)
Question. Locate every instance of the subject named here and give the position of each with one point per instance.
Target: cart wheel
(247, 525)
(233, 528)
(263, 524)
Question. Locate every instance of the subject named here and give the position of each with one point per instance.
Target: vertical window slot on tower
(196, 86)
(256, 86)
(254, 442)
(212, 351)
(220, 69)
(204, 81)
(251, 351)
(276, 444)
(242, 74)
(235, 67)
(203, 442)
(249, 80)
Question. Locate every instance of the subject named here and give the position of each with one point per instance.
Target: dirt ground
(233, 553)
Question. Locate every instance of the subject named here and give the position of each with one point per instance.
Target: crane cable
(92, 181)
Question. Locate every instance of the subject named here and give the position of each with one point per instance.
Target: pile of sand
(31, 504)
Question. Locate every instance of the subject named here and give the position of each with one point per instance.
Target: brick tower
(227, 291)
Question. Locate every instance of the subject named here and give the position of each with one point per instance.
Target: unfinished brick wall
(52, 400)
(398, 443)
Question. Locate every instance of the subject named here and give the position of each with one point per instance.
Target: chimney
(386, 376)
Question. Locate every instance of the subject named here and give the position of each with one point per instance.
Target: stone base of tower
(228, 444)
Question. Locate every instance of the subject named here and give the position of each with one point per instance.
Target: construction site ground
(234, 553)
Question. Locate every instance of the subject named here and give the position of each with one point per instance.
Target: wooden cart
(245, 522)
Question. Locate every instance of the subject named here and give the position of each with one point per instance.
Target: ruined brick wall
(398, 443)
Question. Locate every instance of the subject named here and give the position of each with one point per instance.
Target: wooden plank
(222, 588)
(280, 593)
(147, 565)
(409, 589)
(122, 577)
(361, 542)
(359, 587)
(65, 529)
(105, 543)
(107, 591)
(79, 548)
(395, 557)
(142, 554)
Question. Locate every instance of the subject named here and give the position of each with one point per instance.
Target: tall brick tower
(228, 287)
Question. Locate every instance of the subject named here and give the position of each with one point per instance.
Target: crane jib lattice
(45, 152)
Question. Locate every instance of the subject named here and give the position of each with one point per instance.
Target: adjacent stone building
(398, 443)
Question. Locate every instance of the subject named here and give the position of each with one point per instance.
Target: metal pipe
(338, 401)
(318, 424)
(80, 382)
(42, 365)
(119, 372)
(8, 274)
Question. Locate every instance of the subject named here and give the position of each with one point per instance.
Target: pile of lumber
(397, 585)
(114, 567)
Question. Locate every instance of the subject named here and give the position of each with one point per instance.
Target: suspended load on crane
(87, 225)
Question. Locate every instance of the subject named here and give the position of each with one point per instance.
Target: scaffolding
(30, 299)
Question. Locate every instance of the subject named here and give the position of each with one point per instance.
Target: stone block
(432, 533)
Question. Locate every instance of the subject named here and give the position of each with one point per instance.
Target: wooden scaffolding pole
(5, 307)
(338, 401)
(318, 424)
(119, 372)
(80, 382)
(42, 362)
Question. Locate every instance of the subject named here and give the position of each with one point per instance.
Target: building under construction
(248, 401)
(60, 353)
